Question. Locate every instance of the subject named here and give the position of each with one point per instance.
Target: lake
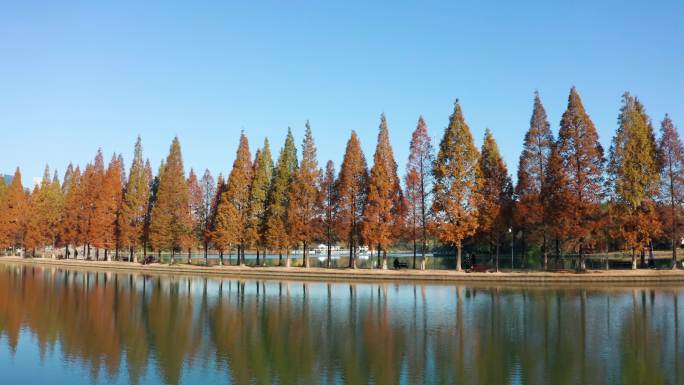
(84, 327)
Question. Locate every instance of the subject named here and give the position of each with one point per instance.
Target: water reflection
(88, 327)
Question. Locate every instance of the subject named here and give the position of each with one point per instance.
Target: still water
(77, 327)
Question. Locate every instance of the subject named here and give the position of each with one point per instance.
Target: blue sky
(78, 76)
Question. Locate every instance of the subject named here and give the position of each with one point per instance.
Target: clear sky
(78, 76)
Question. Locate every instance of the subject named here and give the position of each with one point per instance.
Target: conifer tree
(171, 224)
(53, 214)
(456, 190)
(497, 195)
(232, 214)
(196, 207)
(671, 159)
(304, 210)
(352, 190)
(418, 182)
(221, 241)
(529, 210)
(634, 175)
(582, 157)
(382, 214)
(134, 206)
(109, 204)
(93, 177)
(70, 227)
(277, 235)
(262, 174)
(329, 206)
(32, 226)
(208, 192)
(556, 198)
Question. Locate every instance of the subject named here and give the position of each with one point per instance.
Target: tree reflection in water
(133, 328)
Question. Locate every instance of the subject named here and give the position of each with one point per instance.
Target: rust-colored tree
(233, 208)
(382, 213)
(634, 176)
(497, 196)
(93, 178)
(529, 210)
(70, 224)
(352, 190)
(457, 187)
(219, 242)
(304, 211)
(582, 157)
(671, 159)
(556, 198)
(418, 181)
(109, 208)
(171, 223)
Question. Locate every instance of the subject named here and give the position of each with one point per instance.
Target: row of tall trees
(568, 196)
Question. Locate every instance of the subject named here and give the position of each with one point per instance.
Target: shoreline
(404, 275)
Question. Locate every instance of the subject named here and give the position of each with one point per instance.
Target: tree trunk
(329, 255)
(458, 257)
(634, 264)
(497, 257)
(415, 252)
(384, 258)
(221, 257)
(287, 258)
(206, 256)
(306, 256)
(257, 257)
(189, 255)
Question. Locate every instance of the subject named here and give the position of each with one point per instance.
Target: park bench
(400, 265)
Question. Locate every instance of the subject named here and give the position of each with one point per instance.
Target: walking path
(321, 274)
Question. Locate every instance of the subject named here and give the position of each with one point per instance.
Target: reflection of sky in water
(123, 328)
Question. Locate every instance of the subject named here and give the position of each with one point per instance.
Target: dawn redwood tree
(497, 195)
(529, 210)
(418, 182)
(32, 226)
(635, 176)
(583, 162)
(153, 183)
(109, 205)
(208, 187)
(134, 205)
(262, 174)
(93, 178)
(457, 184)
(276, 234)
(233, 209)
(196, 207)
(67, 228)
(382, 213)
(221, 241)
(555, 197)
(671, 159)
(304, 210)
(171, 223)
(352, 190)
(329, 207)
